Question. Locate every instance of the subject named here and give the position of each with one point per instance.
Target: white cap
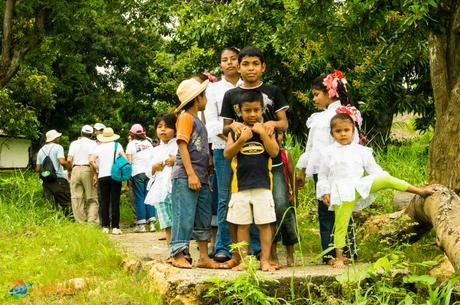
(52, 135)
(99, 126)
(87, 129)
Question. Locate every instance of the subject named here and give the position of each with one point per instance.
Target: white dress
(319, 137)
(345, 170)
(160, 185)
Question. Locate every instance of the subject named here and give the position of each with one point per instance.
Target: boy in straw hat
(190, 195)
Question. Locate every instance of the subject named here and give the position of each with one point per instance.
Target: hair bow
(351, 111)
(331, 82)
(211, 77)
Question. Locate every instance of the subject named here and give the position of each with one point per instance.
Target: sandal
(221, 257)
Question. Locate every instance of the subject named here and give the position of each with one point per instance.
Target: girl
(329, 93)
(342, 184)
(159, 171)
(138, 154)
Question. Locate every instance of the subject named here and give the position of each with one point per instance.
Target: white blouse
(342, 174)
(160, 185)
(319, 138)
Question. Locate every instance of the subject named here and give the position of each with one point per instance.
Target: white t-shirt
(81, 149)
(104, 152)
(55, 151)
(140, 150)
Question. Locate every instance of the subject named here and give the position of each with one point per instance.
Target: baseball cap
(137, 129)
(99, 126)
(87, 129)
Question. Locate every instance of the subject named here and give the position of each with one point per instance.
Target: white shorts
(251, 206)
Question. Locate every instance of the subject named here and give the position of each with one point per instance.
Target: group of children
(252, 115)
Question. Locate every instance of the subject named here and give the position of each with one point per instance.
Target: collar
(260, 84)
(333, 106)
(227, 83)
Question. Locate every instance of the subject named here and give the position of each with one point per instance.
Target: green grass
(39, 245)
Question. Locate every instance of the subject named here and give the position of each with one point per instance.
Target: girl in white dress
(160, 169)
(342, 182)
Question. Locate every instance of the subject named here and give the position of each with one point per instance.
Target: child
(289, 172)
(251, 67)
(251, 201)
(190, 193)
(329, 92)
(160, 168)
(341, 181)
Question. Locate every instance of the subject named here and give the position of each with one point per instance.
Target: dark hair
(86, 134)
(169, 119)
(341, 117)
(231, 49)
(317, 84)
(138, 136)
(201, 76)
(250, 51)
(248, 96)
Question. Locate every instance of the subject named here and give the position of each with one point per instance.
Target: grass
(39, 245)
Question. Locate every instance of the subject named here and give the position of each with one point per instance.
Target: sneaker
(152, 227)
(116, 231)
(105, 230)
(139, 229)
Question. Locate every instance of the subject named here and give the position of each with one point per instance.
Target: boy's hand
(158, 167)
(170, 161)
(300, 179)
(194, 182)
(246, 133)
(258, 128)
(237, 128)
(270, 127)
(327, 199)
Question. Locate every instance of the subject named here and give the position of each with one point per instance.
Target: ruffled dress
(345, 170)
(160, 184)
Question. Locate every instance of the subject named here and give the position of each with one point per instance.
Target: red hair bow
(351, 111)
(331, 82)
(211, 77)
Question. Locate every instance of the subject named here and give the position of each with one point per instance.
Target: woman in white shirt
(109, 189)
(138, 152)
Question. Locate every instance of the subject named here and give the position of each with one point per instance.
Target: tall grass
(41, 246)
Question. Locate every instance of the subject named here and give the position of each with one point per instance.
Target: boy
(251, 153)
(251, 68)
(191, 207)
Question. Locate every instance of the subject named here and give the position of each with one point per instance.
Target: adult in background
(109, 189)
(98, 128)
(83, 192)
(214, 124)
(138, 153)
(59, 188)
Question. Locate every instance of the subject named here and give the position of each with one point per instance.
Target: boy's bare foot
(275, 264)
(266, 266)
(207, 263)
(229, 264)
(240, 267)
(338, 263)
(180, 261)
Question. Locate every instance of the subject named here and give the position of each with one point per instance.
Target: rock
(131, 265)
(401, 199)
(443, 270)
(77, 283)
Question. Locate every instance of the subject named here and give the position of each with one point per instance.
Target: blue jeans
(286, 224)
(223, 173)
(191, 215)
(144, 211)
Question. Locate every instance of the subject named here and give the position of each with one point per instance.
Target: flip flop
(221, 257)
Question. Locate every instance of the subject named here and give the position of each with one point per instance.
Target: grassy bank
(39, 245)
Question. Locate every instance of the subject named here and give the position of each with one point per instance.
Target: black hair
(169, 119)
(341, 117)
(250, 51)
(138, 136)
(317, 84)
(201, 76)
(231, 49)
(86, 134)
(248, 96)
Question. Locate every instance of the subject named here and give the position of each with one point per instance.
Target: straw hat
(107, 135)
(51, 135)
(188, 90)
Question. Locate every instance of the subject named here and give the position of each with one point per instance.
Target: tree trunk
(444, 165)
(440, 211)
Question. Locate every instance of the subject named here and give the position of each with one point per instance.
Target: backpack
(121, 168)
(48, 172)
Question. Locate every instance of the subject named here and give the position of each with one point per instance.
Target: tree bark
(440, 211)
(444, 165)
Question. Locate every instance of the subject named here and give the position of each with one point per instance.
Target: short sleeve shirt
(140, 150)
(274, 101)
(105, 154)
(54, 151)
(81, 149)
(252, 166)
(192, 131)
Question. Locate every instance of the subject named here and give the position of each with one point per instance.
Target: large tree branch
(7, 32)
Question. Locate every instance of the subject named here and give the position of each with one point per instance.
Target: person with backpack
(50, 166)
(109, 153)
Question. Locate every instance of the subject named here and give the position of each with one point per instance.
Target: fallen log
(440, 211)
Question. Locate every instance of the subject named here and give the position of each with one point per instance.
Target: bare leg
(290, 255)
(243, 236)
(266, 237)
(339, 261)
(205, 261)
(168, 235)
(422, 191)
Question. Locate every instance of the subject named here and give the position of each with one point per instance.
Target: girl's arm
(233, 147)
(194, 182)
(271, 145)
(370, 165)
